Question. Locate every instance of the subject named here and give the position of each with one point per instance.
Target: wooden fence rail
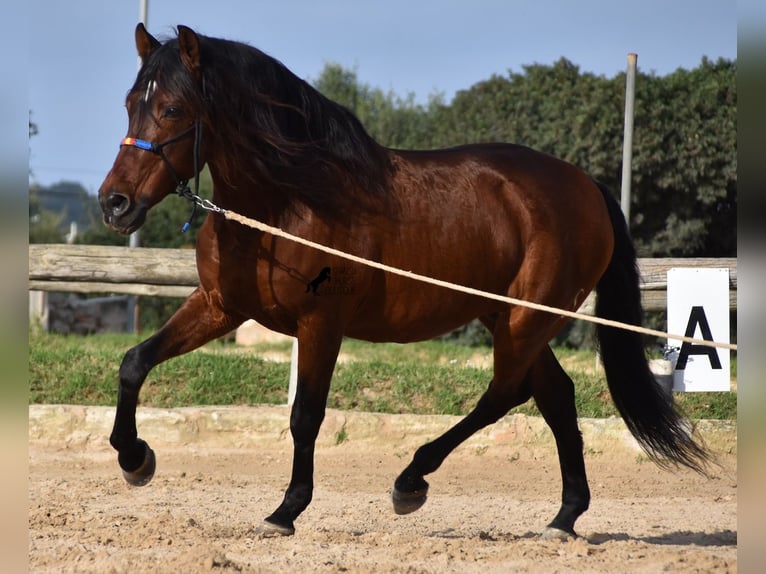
(173, 272)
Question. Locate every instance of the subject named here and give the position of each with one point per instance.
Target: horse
(498, 217)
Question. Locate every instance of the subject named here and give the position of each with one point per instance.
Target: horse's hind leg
(508, 388)
(411, 489)
(195, 323)
(553, 391)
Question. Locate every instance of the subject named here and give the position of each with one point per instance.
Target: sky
(82, 57)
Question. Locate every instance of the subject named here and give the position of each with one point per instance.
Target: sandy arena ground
(220, 471)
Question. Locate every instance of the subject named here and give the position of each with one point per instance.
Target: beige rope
(510, 300)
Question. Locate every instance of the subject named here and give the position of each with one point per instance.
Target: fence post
(292, 387)
(38, 309)
(627, 142)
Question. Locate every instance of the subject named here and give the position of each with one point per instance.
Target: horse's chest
(270, 291)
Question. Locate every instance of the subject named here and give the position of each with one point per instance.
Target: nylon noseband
(182, 185)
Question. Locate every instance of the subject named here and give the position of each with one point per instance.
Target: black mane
(274, 128)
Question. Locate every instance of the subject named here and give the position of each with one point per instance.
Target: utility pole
(135, 237)
(627, 142)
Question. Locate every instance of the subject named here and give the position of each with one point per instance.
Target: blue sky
(82, 57)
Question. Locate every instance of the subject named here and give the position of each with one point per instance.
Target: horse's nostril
(117, 204)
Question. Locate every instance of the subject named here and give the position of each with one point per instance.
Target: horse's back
(523, 176)
(502, 203)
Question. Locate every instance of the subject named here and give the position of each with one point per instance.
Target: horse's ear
(145, 42)
(188, 44)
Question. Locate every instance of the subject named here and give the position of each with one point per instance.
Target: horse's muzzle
(116, 205)
(121, 214)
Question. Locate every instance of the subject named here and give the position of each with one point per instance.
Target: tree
(685, 162)
(52, 209)
(45, 226)
(393, 121)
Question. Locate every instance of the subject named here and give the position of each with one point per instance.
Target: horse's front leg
(196, 322)
(317, 353)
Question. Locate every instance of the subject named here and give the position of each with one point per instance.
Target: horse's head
(162, 148)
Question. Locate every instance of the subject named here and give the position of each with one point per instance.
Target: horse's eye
(171, 112)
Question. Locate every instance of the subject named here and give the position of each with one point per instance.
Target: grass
(422, 378)
(85, 370)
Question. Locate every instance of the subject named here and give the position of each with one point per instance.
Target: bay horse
(497, 217)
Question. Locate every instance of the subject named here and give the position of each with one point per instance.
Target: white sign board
(698, 307)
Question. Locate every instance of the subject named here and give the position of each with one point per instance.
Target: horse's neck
(253, 200)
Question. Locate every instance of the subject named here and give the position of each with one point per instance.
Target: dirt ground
(487, 505)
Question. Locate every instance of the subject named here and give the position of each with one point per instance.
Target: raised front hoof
(270, 530)
(142, 475)
(551, 533)
(407, 502)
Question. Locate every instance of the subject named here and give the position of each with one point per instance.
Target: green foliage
(394, 121)
(45, 226)
(51, 209)
(424, 378)
(685, 162)
(84, 370)
(406, 387)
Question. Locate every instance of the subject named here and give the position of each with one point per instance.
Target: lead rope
(208, 205)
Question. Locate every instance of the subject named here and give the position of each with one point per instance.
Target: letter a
(697, 317)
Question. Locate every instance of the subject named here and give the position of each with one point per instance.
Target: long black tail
(657, 425)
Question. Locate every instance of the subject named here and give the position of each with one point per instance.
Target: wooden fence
(173, 272)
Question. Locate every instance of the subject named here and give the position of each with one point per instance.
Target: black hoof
(270, 530)
(144, 473)
(553, 533)
(406, 502)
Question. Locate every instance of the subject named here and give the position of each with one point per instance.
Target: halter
(182, 185)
